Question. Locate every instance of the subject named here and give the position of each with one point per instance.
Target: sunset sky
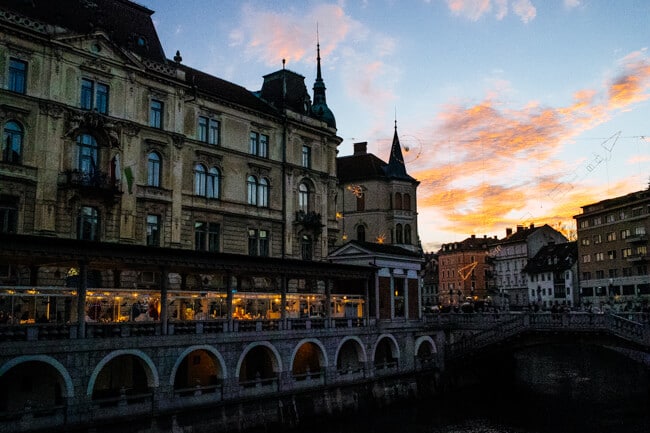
(513, 111)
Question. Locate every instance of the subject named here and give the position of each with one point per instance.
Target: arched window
(407, 234)
(263, 193)
(153, 169)
(303, 197)
(213, 183)
(199, 179)
(251, 186)
(398, 234)
(407, 201)
(12, 144)
(88, 224)
(361, 233)
(398, 200)
(88, 160)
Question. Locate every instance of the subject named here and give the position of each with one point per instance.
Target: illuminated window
(88, 154)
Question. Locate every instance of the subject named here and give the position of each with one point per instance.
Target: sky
(509, 112)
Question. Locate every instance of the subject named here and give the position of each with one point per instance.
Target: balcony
(636, 258)
(310, 220)
(96, 183)
(637, 239)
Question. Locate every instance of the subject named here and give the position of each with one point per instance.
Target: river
(492, 414)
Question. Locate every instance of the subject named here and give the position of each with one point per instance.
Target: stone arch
(67, 380)
(151, 371)
(276, 360)
(391, 348)
(322, 354)
(343, 354)
(211, 350)
(424, 340)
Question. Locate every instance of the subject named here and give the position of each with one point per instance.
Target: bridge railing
(514, 323)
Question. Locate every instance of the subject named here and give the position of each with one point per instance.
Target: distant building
(378, 200)
(511, 255)
(613, 249)
(552, 276)
(430, 280)
(464, 269)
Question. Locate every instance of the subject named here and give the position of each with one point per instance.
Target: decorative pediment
(92, 121)
(259, 170)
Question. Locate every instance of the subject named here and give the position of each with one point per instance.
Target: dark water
(492, 414)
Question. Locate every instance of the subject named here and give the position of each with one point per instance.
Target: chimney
(520, 228)
(361, 148)
(532, 226)
(473, 236)
(508, 231)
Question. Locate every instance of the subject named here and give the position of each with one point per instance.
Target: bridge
(59, 377)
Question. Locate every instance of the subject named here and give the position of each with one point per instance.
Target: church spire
(320, 108)
(396, 167)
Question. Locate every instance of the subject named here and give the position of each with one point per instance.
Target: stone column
(366, 307)
(164, 287)
(328, 302)
(283, 301)
(82, 284)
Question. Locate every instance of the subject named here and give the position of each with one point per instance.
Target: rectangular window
(8, 214)
(208, 130)
(259, 144)
(584, 224)
(199, 235)
(611, 236)
(17, 76)
(264, 146)
(101, 98)
(585, 241)
(625, 234)
(597, 239)
(626, 252)
(306, 156)
(156, 114)
(611, 255)
(597, 221)
(586, 258)
(153, 230)
(252, 242)
(600, 257)
(610, 218)
(642, 250)
(87, 90)
(264, 243)
(94, 96)
(600, 275)
(586, 276)
(206, 236)
(639, 231)
(613, 273)
(214, 231)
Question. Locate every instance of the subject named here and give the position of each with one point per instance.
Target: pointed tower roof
(396, 167)
(320, 108)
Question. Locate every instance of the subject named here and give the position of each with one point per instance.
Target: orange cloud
(493, 166)
(633, 83)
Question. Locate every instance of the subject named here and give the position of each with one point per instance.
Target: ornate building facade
(105, 139)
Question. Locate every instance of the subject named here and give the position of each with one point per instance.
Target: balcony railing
(309, 219)
(93, 181)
